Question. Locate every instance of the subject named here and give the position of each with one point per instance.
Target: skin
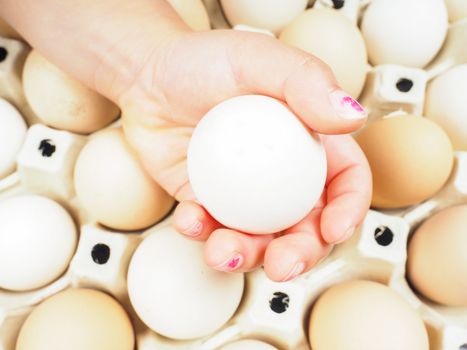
(165, 77)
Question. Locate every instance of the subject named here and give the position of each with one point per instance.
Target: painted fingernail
(346, 107)
(232, 263)
(194, 229)
(347, 234)
(297, 270)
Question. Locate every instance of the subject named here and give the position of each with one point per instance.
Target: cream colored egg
(77, 319)
(193, 13)
(364, 315)
(333, 38)
(272, 15)
(114, 188)
(437, 263)
(248, 345)
(446, 104)
(457, 9)
(405, 32)
(410, 158)
(12, 134)
(63, 102)
(37, 241)
(174, 292)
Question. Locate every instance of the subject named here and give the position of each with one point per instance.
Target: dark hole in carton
(404, 85)
(384, 236)
(100, 253)
(338, 4)
(463, 347)
(279, 303)
(47, 148)
(3, 54)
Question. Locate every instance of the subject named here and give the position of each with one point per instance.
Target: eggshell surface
(364, 315)
(63, 102)
(193, 13)
(272, 15)
(437, 264)
(37, 240)
(445, 104)
(174, 292)
(254, 166)
(248, 345)
(12, 134)
(77, 319)
(410, 158)
(333, 38)
(405, 32)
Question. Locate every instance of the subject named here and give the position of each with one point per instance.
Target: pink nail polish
(194, 230)
(297, 270)
(232, 263)
(346, 107)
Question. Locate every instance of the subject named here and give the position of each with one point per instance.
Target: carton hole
(384, 236)
(338, 4)
(3, 54)
(100, 253)
(47, 148)
(463, 347)
(404, 85)
(279, 303)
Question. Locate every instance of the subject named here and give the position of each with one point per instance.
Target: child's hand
(193, 72)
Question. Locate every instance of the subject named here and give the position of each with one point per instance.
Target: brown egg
(410, 158)
(364, 315)
(77, 319)
(193, 13)
(63, 102)
(437, 263)
(333, 38)
(113, 187)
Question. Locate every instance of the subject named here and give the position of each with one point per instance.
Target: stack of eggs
(65, 253)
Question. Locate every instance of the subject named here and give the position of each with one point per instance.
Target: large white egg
(333, 38)
(174, 292)
(446, 104)
(272, 15)
(37, 240)
(12, 134)
(248, 345)
(254, 166)
(405, 32)
(113, 186)
(457, 9)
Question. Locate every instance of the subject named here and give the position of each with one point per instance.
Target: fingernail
(194, 229)
(297, 270)
(232, 263)
(346, 107)
(347, 234)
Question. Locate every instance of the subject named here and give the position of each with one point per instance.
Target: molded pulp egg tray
(274, 312)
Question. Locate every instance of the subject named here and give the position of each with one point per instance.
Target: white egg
(272, 15)
(12, 134)
(254, 166)
(174, 292)
(37, 240)
(248, 345)
(446, 104)
(405, 32)
(457, 9)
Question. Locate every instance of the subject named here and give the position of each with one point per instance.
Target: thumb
(265, 66)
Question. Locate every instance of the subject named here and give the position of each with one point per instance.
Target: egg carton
(274, 312)
(270, 311)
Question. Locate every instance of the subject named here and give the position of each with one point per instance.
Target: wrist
(120, 61)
